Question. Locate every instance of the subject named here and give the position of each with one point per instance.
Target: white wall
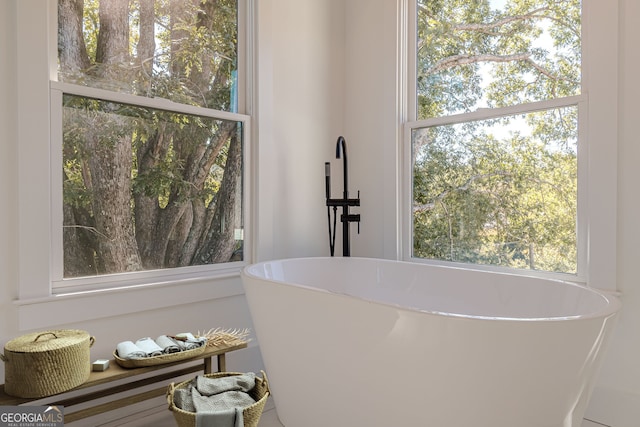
(300, 117)
(616, 400)
(371, 119)
(8, 172)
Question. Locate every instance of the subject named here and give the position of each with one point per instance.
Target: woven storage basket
(46, 363)
(158, 360)
(251, 414)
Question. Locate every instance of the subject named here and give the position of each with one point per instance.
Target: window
(152, 144)
(504, 124)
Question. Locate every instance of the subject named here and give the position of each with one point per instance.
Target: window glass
(150, 184)
(185, 51)
(148, 189)
(495, 148)
(500, 192)
(495, 53)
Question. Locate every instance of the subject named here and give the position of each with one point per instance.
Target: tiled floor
(270, 419)
(587, 423)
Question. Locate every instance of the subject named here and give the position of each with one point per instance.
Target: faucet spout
(341, 143)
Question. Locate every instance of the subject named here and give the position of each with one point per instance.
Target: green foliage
(178, 161)
(500, 191)
(470, 54)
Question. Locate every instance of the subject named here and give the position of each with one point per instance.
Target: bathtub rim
(611, 307)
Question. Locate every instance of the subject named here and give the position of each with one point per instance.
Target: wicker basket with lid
(45, 363)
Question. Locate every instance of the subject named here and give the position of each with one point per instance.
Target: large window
(498, 137)
(146, 120)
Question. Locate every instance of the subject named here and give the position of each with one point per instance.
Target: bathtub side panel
(336, 360)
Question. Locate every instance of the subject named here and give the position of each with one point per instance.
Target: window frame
(58, 282)
(40, 185)
(597, 148)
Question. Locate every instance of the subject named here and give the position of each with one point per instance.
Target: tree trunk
(78, 243)
(219, 243)
(109, 145)
(72, 52)
(113, 40)
(146, 47)
(110, 164)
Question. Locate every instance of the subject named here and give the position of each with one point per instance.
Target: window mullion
(143, 101)
(57, 210)
(493, 113)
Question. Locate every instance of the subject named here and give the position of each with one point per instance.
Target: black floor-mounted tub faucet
(345, 202)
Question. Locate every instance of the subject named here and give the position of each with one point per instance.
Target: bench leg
(222, 363)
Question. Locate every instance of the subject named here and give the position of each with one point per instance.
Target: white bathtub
(360, 342)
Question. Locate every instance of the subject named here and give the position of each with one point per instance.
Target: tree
(147, 188)
(501, 190)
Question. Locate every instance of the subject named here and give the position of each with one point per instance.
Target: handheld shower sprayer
(327, 178)
(327, 185)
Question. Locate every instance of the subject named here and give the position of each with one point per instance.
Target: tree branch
(438, 199)
(465, 59)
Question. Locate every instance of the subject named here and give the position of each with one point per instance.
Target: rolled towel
(128, 350)
(168, 344)
(185, 336)
(199, 342)
(149, 346)
(189, 342)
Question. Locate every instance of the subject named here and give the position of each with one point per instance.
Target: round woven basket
(251, 414)
(46, 363)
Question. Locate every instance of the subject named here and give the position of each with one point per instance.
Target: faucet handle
(358, 215)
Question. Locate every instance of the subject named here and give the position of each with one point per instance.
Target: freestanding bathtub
(355, 342)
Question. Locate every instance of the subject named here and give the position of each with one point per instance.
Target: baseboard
(615, 408)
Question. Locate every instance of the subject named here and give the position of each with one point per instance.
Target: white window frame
(59, 284)
(597, 147)
(40, 209)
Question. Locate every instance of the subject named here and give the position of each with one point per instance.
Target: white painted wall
(300, 116)
(616, 400)
(8, 172)
(371, 120)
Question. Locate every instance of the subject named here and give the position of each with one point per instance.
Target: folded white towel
(149, 346)
(128, 350)
(168, 344)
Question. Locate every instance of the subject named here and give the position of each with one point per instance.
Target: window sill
(76, 307)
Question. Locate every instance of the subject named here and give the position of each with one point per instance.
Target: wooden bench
(116, 372)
